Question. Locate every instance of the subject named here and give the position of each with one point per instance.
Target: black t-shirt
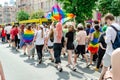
(102, 40)
(70, 37)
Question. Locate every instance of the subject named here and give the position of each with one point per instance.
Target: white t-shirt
(39, 39)
(49, 41)
(45, 32)
(110, 36)
(7, 29)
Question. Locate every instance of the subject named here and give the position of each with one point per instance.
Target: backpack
(116, 43)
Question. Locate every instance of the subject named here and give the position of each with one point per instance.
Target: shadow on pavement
(63, 75)
(22, 56)
(86, 70)
(15, 52)
(78, 75)
(42, 65)
(30, 61)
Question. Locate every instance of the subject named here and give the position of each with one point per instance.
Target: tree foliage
(110, 6)
(22, 15)
(83, 9)
(37, 14)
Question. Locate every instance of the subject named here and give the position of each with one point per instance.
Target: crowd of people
(93, 42)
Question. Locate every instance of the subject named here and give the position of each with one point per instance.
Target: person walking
(7, 29)
(70, 46)
(110, 37)
(22, 43)
(81, 38)
(39, 42)
(28, 38)
(57, 45)
(50, 40)
(101, 51)
(3, 35)
(13, 36)
(94, 45)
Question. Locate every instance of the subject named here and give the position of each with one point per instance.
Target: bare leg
(86, 58)
(104, 69)
(69, 54)
(75, 58)
(52, 53)
(24, 49)
(91, 58)
(28, 49)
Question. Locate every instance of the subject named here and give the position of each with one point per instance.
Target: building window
(42, 5)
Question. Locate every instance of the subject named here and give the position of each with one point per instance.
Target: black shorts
(70, 46)
(80, 49)
(50, 47)
(8, 36)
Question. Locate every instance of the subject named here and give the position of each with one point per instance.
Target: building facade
(35, 5)
(7, 14)
(25, 5)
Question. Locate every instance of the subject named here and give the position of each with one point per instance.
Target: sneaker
(96, 69)
(64, 55)
(74, 69)
(68, 65)
(24, 53)
(52, 60)
(59, 68)
(40, 61)
(33, 56)
(89, 65)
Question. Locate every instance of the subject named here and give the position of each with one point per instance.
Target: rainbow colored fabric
(58, 15)
(94, 45)
(28, 36)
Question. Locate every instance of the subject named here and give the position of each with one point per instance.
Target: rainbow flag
(28, 36)
(58, 14)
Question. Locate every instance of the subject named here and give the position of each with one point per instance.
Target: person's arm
(102, 46)
(108, 38)
(77, 37)
(1, 72)
(52, 25)
(115, 58)
(86, 37)
(101, 39)
(34, 37)
(92, 37)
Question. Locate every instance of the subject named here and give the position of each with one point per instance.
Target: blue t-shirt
(92, 30)
(87, 31)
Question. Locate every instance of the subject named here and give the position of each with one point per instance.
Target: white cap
(41, 26)
(79, 25)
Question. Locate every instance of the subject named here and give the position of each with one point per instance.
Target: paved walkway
(17, 67)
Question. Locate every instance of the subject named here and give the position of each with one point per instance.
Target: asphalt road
(17, 67)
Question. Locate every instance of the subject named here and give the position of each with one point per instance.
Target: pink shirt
(56, 39)
(81, 37)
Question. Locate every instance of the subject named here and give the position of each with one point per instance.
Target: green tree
(37, 14)
(109, 6)
(83, 9)
(22, 15)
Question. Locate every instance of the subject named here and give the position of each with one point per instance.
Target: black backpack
(116, 43)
